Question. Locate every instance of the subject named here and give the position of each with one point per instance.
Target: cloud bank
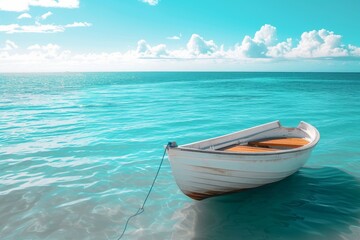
(316, 46)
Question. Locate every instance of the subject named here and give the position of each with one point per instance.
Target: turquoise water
(78, 152)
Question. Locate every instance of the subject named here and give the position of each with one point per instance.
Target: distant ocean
(78, 152)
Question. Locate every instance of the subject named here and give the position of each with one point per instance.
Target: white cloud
(151, 2)
(143, 47)
(46, 15)
(47, 47)
(55, 3)
(322, 43)
(24, 15)
(50, 49)
(9, 28)
(198, 46)
(175, 37)
(9, 45)
(354, 51)
(40, 28)
(144, 50)
(266, 35)
(78, 24)
(257, 47)
(280, 50)
(39, 55)
(159, 50)
(23, 5)
(45, 52)
(14, 5)
(251, 48)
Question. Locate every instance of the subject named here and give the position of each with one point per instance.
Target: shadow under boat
(314, 203)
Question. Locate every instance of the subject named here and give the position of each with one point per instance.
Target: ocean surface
(79, 151)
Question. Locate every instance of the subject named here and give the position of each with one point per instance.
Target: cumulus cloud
(313, 44)
(266, 35)
(151, 2)
(24, 15)
(40, 28)
(320, 43)
(251, 48)
(198, 46)
(257, 47)
(46, 15)
(144, 50)
(23, 5)
(280, 50)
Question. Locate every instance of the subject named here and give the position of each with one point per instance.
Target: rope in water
(141, 209)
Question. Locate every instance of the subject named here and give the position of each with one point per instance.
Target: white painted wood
(201, 170)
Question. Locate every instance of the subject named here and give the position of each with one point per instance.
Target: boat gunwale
(310, 145)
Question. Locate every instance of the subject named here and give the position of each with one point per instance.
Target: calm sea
(78, 152)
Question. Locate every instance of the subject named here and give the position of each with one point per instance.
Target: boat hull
(201, 175)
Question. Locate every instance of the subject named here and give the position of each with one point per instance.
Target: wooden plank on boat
(240, 148)
(281, 142)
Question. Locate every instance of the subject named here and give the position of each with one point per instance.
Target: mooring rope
(141, 209)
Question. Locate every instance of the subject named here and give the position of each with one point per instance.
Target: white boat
(240, 160)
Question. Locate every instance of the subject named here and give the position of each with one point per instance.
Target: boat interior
(267, 145)
(270, 137)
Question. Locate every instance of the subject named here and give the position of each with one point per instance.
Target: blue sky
(146, 35)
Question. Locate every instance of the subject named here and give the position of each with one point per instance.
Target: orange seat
(281, 142)
(239, 148)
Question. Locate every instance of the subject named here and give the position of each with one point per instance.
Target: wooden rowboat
(240, 160)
